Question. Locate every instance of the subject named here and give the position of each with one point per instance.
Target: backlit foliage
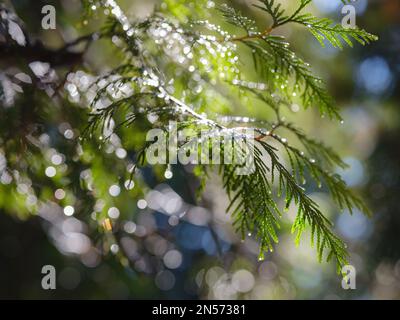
(178, 65)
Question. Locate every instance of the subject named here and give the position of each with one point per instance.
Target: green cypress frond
(274, 10)
(325, 29)
(254, 197)
(343, 197)
(308, 212)
(251, 203)
(279, 64)
(322, 29)
(234, 17)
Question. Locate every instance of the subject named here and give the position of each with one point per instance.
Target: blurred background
(169, 244)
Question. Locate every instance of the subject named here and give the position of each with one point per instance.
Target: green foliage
(189, 71)
(322, 29)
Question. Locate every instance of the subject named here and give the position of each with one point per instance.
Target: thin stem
(186, 109)
(269, 133)
(86, 38)
(261, 35)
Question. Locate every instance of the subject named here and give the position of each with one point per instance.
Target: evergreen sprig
(253, 203)
(254, 208)
(143, 92)
(322, 29)
(290, 75)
